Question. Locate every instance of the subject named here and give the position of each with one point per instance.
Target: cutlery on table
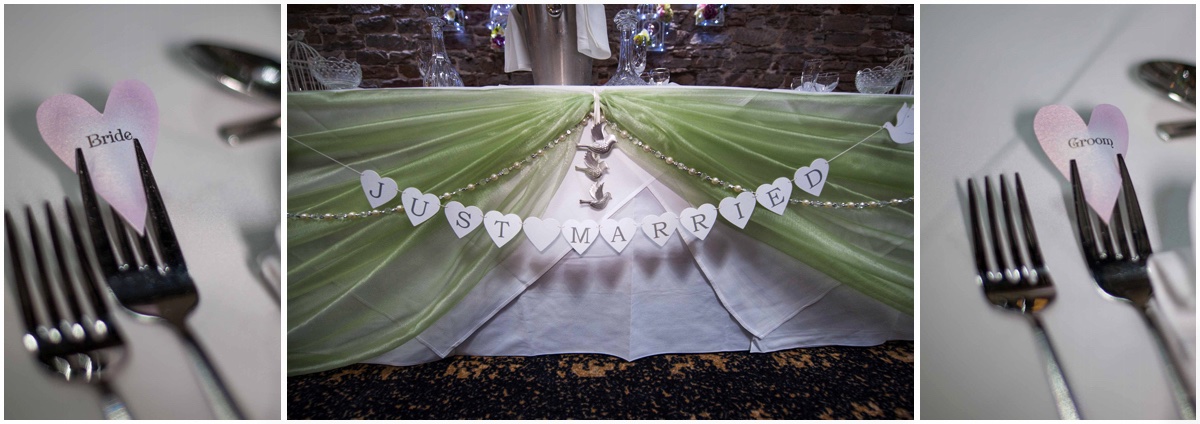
(1119, 267)
(246, 73)
(77, 341)
(1178, 82)
(148, 275)
(1014, 281)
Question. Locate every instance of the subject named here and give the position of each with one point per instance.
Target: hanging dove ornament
(902, 132)
(593, 167)
(602, 140)
(599, 149)
(599, 198)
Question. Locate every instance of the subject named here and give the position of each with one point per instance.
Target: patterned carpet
(813, 383)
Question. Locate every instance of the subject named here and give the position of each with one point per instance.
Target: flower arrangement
(642, 38)
(707, 12)
(665, 13)
(498, 37)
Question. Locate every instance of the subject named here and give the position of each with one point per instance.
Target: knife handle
(1168, 131)
(238, 132)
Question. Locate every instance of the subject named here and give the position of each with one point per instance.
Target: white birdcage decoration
(300, 77)
(905, 64)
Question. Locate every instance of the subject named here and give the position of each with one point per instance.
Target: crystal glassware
(336, 74)
(439, 71)
(877, 80)
(660, 76)
(627, 23)
(826, 82)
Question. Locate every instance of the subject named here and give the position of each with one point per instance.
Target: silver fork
(82, 344)
(148, 274)
(1014, 283)
(1120, 270)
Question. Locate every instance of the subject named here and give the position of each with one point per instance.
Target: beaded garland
(516, 166)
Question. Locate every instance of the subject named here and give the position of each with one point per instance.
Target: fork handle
(113, 406)
(218, 395)
(1185, 395)
(1063, 400)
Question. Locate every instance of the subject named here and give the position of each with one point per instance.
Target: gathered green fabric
(753, 137)
(360, 287)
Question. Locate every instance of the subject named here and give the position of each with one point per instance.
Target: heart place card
(1093, 146)
(68, 122)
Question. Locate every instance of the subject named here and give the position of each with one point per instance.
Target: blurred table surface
(224, 202)
(984, 72)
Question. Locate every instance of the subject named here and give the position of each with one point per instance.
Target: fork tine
(168, 245)
(125, 258)
(1137, 226)
(105, 257)
(90, 287)
(1031, 240)
(993, 222)
(977, 234)
(47, 292)
(66, 282)
(1118, 228)
(1083, 217)
(1105, 240)
(1013, 246)
(22, 282)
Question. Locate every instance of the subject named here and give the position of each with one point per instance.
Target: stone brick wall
(761, 46)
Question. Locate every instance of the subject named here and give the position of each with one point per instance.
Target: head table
(367, 285)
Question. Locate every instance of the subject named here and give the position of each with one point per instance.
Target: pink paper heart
(1093, 146)
(68, 122)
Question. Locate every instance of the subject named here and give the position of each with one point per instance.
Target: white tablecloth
(984, 73)
(224, 202)
(725, 293)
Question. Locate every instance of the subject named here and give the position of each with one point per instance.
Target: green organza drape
(360, 287)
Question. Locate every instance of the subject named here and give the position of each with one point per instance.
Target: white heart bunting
(419, 207)
(463, 220)
(541, 232)
(618, 234)
(698, 221)
(775, 196)
(580, 235)
(503, 228)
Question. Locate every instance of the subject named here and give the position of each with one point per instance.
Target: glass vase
(627, 23)
(439, 71)
(651, 21)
